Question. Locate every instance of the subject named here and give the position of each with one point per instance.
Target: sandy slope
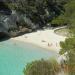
(44, 38)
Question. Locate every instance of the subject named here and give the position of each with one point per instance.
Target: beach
(46, 38)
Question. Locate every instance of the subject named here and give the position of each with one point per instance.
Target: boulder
(3, 34)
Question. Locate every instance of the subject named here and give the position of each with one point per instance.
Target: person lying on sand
(43, 41)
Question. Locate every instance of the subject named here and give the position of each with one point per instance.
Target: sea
(15, 55)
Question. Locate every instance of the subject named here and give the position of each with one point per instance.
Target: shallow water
(15, 55)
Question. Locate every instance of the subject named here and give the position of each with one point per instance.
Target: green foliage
(68, 44)
(39, 11)
(69, 9)
(42, 67)
(44, 11)
(59, 21)
(70, 15)
(69, 47)
(12, 6)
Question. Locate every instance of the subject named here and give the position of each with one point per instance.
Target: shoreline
(46, 39)
(31, 44)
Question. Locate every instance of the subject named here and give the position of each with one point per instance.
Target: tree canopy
(68, 46)
(42, 67)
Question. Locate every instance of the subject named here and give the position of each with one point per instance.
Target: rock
(2, 35)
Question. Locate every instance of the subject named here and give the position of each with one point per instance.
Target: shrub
(42, 67)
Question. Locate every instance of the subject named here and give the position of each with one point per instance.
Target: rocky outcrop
(3, 34)
(16, 24)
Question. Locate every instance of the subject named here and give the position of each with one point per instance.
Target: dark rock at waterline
(3, 35)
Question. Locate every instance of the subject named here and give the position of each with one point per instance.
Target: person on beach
(49, 44)
(43, 41)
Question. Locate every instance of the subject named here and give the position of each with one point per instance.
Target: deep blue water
(15, 55)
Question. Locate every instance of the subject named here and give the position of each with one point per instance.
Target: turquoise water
(15, 55)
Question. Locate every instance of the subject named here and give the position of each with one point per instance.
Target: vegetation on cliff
(42, 67)
(30, 14)
(21, 16)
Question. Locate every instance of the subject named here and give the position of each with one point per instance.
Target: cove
(15, 55)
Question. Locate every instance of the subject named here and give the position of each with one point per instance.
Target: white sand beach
(42, 38)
